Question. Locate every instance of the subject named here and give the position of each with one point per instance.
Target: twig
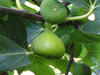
(21, 13)
(36, 2)
(71, 59)
(4, 73)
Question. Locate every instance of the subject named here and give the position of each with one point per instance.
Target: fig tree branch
(21, 13)
(71, 59)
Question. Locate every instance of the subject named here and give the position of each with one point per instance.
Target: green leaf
(5, 3)
(10, 72)
(33, 29)
(77, 49)
(83, 37)
(92, 27)
(97, 14)
(23, 1)
(62, 30)
(14, 29)
(65, 39)
(93, 52)
(82, 3)
(60, 64)
(12, 55)
(38, 66)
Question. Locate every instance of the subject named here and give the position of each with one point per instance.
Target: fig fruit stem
(92, 7)
(55, 27)
(48, 26)
(71, 59)
(19, 4)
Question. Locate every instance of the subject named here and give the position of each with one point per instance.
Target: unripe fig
(78, 11)
(81, 69)
(47, 44)
(53, 11)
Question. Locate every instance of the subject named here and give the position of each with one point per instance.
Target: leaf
(38, 66)
(62, 30)
(10, 72)
(60, 64)
(33, 29)
(82, 3)
(5, 3)
(92, 27)
(97, 14)
(83, 37)
(14, 29)
(77, 49)
(23, 1)
(12, 56)
(93, 51)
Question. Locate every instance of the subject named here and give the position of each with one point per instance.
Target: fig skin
(53, 11)
(81, 69)
(48, 45)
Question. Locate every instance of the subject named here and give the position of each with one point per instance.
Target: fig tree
(47, 44)
(53, 11)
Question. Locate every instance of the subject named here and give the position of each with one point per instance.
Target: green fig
(53, 11)
(81, 69)
(47, 44)
(78, 11)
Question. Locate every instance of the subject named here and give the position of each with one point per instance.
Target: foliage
(18, 30)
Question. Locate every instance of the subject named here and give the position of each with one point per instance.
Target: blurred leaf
(92, 27)
(23, 1)
(40, 64)
(33, 29)
(93, 51)
(5, 3)
(62, 30)
(14, 29)
(65, 39)
(12, 55)
(82, 3)
(82, 37)
(97, 14)
(10, 72)
(77, 49)
(60, 64)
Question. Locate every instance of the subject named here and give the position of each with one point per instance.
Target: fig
(81, 69)
(78, 11)
(53, 11)
(48, 44)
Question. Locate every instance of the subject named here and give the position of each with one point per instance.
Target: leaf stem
(71, 59)
(94, 72)
(81, 17)
(18, 4)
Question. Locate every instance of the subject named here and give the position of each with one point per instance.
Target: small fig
(47, 44)
(81, 69)
(53, 11)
